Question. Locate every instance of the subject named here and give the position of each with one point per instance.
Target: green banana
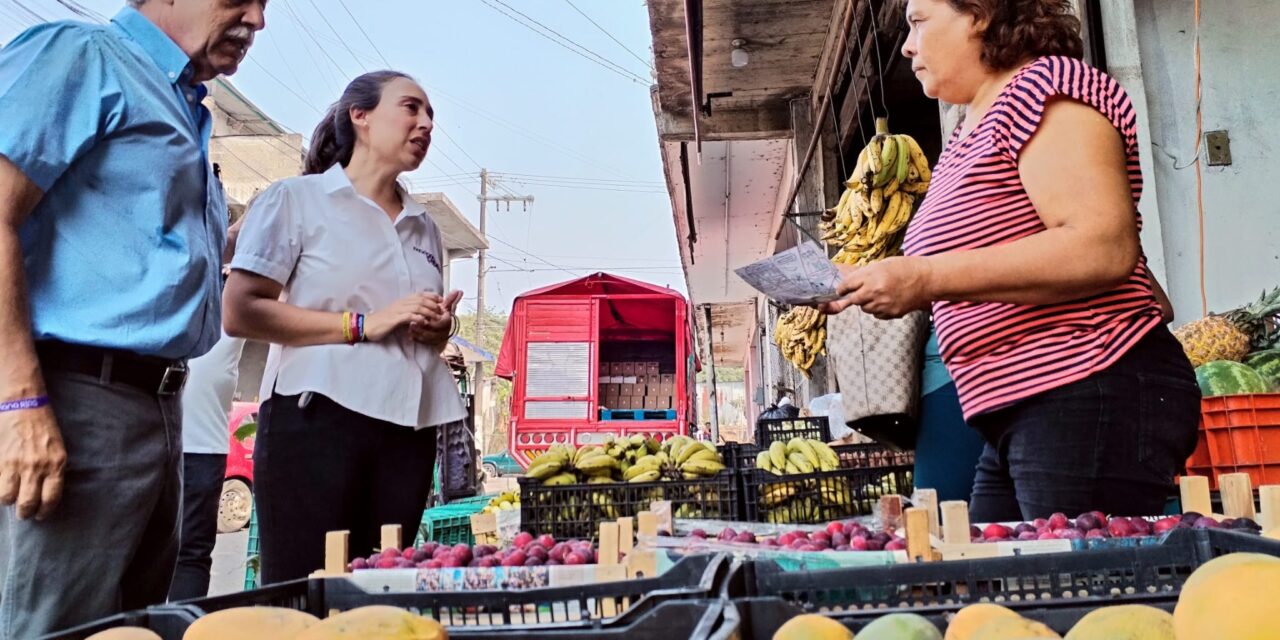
(888, 161)
(904, 158)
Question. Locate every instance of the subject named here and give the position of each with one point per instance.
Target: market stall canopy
(468, 352)
(621, 315)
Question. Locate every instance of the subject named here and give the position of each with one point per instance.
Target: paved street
(227, 575)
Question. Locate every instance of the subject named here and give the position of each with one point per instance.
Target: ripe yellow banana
(764, 461)
(561, 479)
(647, 476)
(702, 467)
(778, 454)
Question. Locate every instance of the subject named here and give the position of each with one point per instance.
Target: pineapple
(1235, 334)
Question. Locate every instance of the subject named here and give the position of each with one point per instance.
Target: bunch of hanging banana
(801, 335)
(891, 175)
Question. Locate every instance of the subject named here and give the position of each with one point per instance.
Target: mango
(811, 626)
(1222, 563)
(900, 626)
(377, 622)
(1004, 628)
(967, 620)
(1124, 622)
(1236, 600)
(250, 623)
(125, 633)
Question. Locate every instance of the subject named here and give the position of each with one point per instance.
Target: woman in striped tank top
(1027, 250)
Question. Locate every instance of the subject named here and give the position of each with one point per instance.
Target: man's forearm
(19, 370)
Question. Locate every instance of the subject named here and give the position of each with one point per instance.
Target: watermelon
(1227, 378)
(1267, 364)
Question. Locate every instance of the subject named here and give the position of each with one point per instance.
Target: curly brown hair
(1018, 30)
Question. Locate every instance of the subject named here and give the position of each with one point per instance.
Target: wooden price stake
(1195, 494)
(644, 564)
(891, 512)
(336, 551)
(955, 522)
(927, 499)
(608, 558)
(390, 536)
(1269, 517)
(1237, 495)
(919, 546)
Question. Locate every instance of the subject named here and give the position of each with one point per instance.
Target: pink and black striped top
(1000, 353)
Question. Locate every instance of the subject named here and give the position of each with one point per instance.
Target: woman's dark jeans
(1112, 442)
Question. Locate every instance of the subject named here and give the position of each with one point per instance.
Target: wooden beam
(755, 124)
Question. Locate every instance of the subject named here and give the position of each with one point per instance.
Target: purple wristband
(24, 403)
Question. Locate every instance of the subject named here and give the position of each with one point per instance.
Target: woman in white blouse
(354, 376)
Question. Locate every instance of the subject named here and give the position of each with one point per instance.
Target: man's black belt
(155, 376)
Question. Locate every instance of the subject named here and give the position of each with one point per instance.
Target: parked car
(500, 464)
(236, 505)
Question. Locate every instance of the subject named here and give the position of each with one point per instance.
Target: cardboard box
(612, 368)
(628, 368)
(626, 389)
(651, 368)
(666, 390)
(667, 379)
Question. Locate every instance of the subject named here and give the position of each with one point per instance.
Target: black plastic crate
(742, 455)
(871, 455)
(822, 496)
(1056, 589)
(481, 615)
(576, 510)
(770, 429)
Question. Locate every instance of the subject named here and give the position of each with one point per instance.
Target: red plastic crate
(1243, 435)
(1200, 464)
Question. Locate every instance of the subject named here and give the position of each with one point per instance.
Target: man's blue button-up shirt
(125, 248)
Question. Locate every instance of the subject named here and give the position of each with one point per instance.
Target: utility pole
(481, 268)
(480, 264)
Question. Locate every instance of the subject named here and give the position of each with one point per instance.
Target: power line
(604, 31)
(38, 17)
(581, 51)
(355, 56)
(581, 179)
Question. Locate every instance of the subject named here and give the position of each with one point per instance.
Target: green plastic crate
(251, 553)
(451, 523)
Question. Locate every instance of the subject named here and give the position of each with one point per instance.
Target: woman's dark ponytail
(334, 139)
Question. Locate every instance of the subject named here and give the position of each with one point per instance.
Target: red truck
(594, 356)
(236, 504)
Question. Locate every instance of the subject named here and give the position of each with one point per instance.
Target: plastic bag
(831, 406)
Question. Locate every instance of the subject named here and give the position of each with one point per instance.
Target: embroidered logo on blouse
(430, 258)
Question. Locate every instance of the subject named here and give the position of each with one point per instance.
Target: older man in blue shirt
(111, 232)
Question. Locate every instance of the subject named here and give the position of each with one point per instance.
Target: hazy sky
(506, 98)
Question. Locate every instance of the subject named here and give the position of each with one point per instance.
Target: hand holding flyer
(803, 275)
